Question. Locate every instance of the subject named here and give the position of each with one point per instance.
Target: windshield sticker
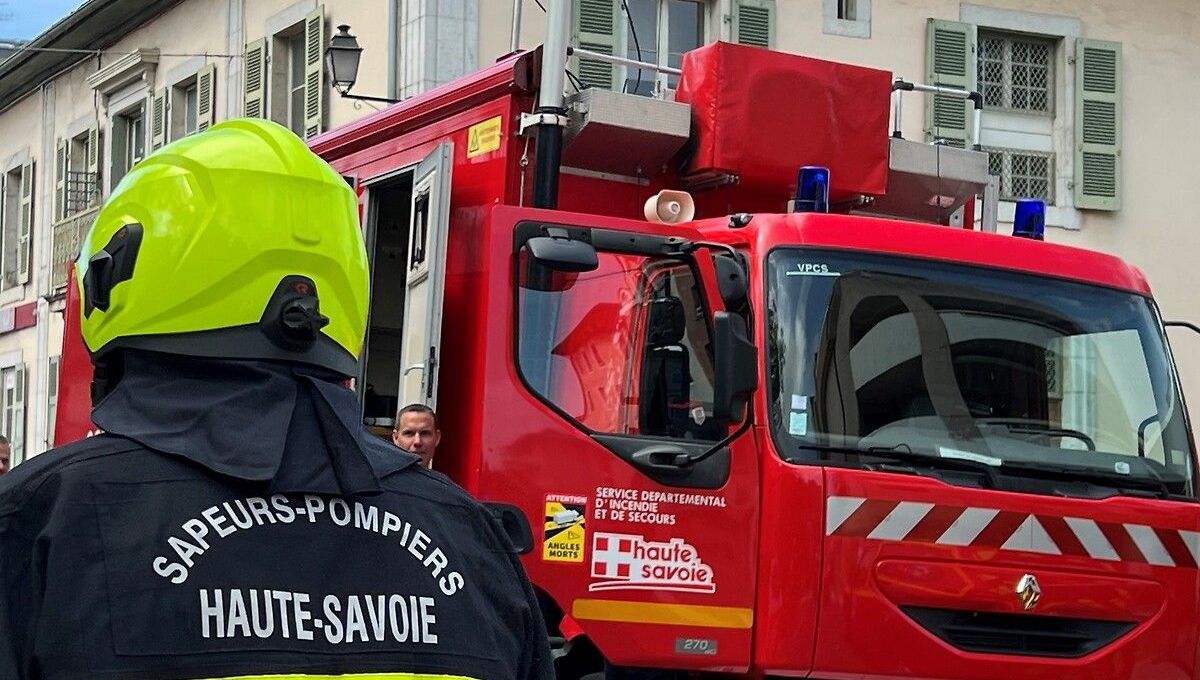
(698, 415)
(631, 562)
(947, 452)
(798, 424)
(565, 533)
(799, 402)
(812, 269)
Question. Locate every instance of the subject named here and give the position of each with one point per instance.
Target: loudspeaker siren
(669, 207)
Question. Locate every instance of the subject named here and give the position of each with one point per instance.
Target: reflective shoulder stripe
(348, 676)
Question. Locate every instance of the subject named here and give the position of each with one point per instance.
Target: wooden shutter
(95, 145)
(17, 436)
(62, 163)
(254, 79)
(1097, 125)
(25, 223)
(314, 72)
(158, 119)
(596, 23)
(206, 97)
(950, 55)
(52, 399)
(754, 22)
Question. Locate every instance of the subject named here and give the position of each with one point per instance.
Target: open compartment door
(425, 278)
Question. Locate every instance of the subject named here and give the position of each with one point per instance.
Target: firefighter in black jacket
(236, 520)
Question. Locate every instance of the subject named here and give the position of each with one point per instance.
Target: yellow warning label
(483, 137)
(565, 531)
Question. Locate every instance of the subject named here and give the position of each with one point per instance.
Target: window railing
(68, 237)
(83, 191)
(1023, 174)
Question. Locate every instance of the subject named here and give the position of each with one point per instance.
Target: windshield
(937, 361)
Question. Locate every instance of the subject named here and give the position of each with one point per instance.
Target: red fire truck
(763, 430)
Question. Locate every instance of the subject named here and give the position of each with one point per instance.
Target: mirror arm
(1182, 324)
(1141, 432)
(693, 460)
(692, 246)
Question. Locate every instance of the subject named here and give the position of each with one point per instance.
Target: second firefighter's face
(417, 433)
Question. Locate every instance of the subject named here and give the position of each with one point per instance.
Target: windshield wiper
(1124, 484)
(1120, 482)
(903, 452)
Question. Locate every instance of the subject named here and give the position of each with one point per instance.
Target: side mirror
(514, 524)
(563, 254)
(731, 281)
(736, 369)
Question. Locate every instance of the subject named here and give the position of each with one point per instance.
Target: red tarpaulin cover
(760, 115)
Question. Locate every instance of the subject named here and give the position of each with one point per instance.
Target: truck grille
(1022, 634)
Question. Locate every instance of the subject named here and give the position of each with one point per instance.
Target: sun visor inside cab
(759, 116)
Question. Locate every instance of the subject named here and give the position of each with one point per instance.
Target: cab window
(623, 349)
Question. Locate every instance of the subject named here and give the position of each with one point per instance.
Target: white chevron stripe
(967, 526)
(1031, 536)
(838, 509)
(900, 521)
(1192, 540)
(1152, 548)
(1092, 539)
(1040, 540)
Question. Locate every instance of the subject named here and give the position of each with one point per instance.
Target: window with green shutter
(1038, 146)
(16, 224)
(191, 104)
(1097, 124)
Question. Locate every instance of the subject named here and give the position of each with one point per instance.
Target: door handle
(432, 363)
(664, 458)
(414, 367)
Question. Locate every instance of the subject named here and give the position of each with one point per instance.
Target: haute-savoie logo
(630, 562)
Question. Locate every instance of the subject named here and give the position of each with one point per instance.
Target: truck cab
(868, 442)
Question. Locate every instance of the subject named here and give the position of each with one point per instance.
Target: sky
(26, 19)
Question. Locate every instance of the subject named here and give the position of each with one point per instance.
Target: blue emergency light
(1029, 220)
(812, 189)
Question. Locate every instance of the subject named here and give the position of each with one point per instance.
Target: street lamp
(341, 61)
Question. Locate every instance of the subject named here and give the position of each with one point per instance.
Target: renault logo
(1028, 591)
